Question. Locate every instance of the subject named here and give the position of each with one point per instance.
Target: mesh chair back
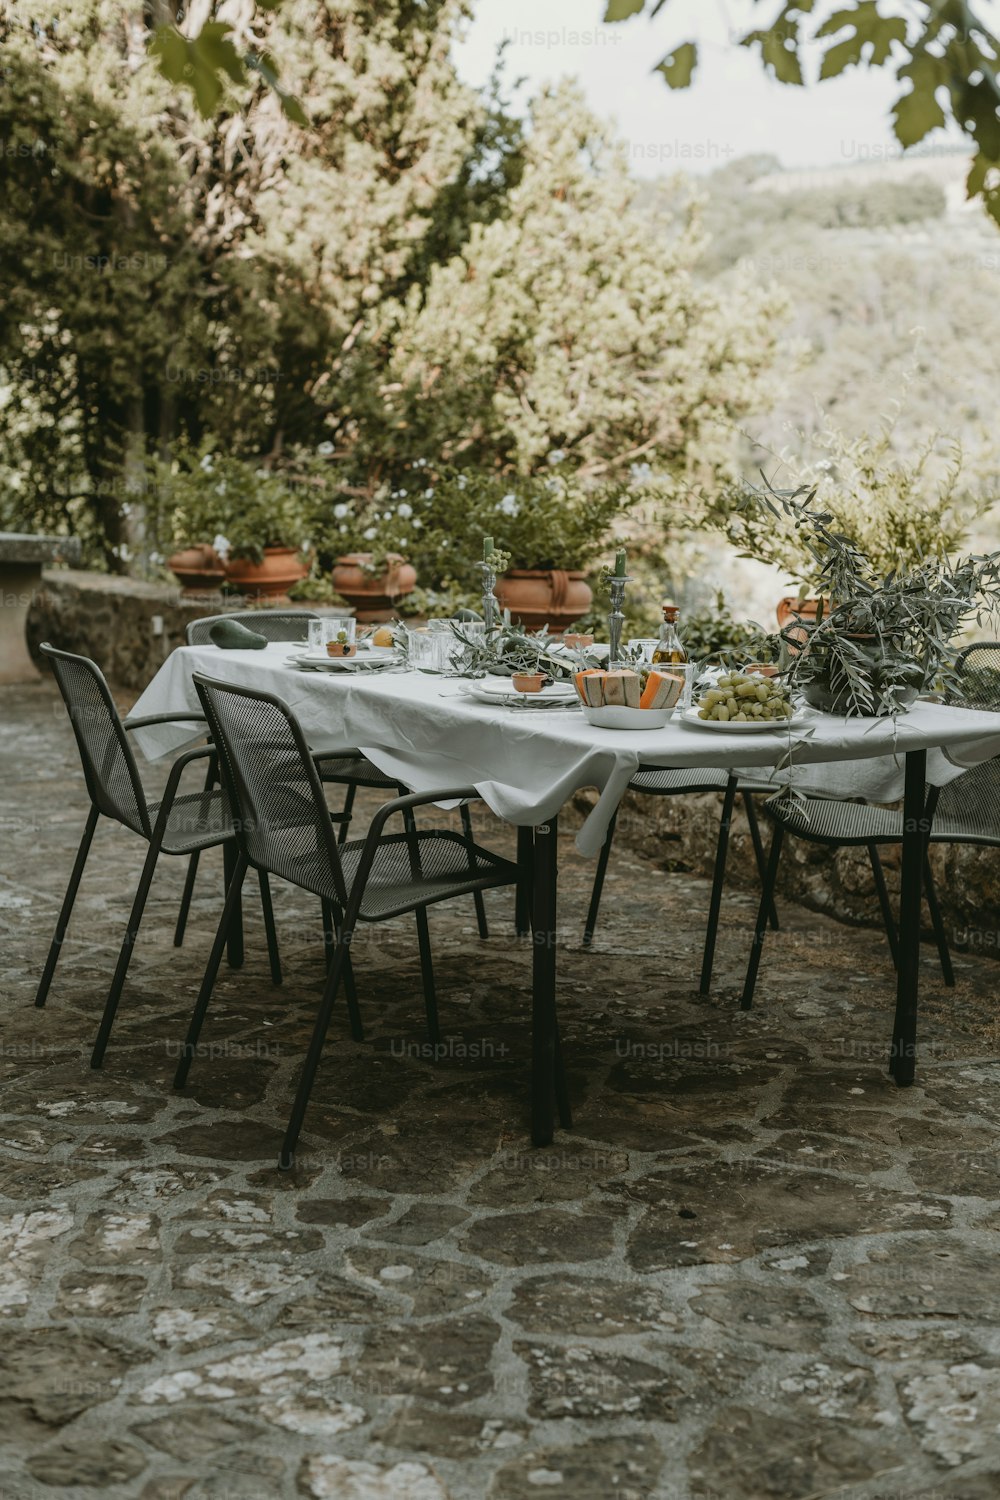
(968, 809)
(275, 624)
(108, 763)
(282, 818)
(978, 671)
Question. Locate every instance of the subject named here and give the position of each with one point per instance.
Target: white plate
(501, 690)
(326, 663)
(617, 717)
(754, 726)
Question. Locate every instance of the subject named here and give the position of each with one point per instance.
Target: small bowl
(528, 682)
(341, 648)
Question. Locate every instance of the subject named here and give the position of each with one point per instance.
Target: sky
(732, 108)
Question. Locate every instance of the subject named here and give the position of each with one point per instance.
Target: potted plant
(897, 511)
(231, 514)
(549, 525)
(885, 637)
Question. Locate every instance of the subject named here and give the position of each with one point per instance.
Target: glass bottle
(668, 650)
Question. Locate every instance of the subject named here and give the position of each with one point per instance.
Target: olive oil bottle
(668, 651)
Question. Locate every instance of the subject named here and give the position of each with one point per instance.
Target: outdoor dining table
(424, 730)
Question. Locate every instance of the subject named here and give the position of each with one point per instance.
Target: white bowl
(627, 718)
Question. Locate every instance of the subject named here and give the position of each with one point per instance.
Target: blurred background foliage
(423, 281)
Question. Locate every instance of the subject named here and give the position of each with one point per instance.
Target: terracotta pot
(796, 617)
(373, 595)
(270, 579)
(198, 569)
(541, 596)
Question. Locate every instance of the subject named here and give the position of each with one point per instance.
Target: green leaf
(778, 50)
(620, 10)
(870, 30)
(917, 113)
(268, 4)
(198, 61)
(982, 174)
(678, 66)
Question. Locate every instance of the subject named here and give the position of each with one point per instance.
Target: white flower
(206, 463)
(557, 455)
(509, 505)
(406, 511)
(462, 481)
(324, 448)
(417, 525)
(387, 515)
(340, 511)
(220, 488)
(221, 546)
(428, 494)
(370, 534)
(640, 473)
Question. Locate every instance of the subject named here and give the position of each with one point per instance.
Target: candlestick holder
(490, 602)
(616, 619)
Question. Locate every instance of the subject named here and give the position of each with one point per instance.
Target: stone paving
(753, 1269)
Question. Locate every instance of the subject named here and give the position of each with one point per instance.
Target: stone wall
(681, 834)
(127, 627)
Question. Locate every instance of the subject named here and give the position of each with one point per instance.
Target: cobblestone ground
(753, 1269)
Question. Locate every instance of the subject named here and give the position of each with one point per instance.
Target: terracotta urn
(270, 578)
(544, 596)
(198, 569)
(374, 596)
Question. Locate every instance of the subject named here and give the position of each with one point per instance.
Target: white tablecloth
(526, 764)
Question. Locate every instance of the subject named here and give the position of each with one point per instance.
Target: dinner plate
(752, 726)
(500, 690)
(324, 663)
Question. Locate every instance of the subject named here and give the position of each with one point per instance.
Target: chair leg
(274, 957)
(596, 893)
(347, 813)
(192, 869)
(234, 949)
(758, 849)
(767, 894)
(125, 956)
(718, 880)
(287, 1158)
(940, 936)
(331, 937)
(888, 919)
(481, 922)
(427, 975)
(522, 891)
(211, 972)
(62, 922)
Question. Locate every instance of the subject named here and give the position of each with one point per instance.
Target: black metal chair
(966, 811)
(662, 781)
(174, 824)
(347, 768)
(284, 828)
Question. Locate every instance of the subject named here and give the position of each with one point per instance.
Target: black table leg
(543, 1009)
(522, 907)
(902, 1054)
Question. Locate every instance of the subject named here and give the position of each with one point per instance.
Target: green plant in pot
(881, 639)
(252, 517)
(550, 525)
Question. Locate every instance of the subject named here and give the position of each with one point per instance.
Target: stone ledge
(127, 626)
(29, 548)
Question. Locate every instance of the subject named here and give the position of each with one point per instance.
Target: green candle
(487, 548)
(620, 563)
